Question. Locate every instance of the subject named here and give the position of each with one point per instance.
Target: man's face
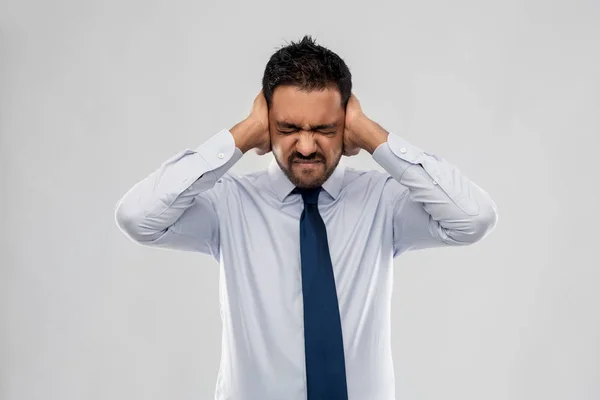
(306, 133)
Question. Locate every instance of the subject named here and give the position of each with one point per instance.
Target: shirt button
(221, 155)
(403, 150)
(434, 182)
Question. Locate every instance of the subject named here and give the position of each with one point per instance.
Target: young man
(306, 247)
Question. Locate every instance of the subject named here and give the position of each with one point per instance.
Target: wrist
(372, 133)
(242, 134)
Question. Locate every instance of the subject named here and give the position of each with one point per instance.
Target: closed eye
(293, 131)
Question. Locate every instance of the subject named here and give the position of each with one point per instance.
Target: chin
(308, 184)
(308, 177)
(307, 181)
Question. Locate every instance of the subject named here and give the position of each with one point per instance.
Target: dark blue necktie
(323, 342)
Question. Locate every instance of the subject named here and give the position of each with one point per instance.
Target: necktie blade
(323, 339)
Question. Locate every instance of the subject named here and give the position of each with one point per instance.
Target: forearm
(463, 211)
(372, 133)
(243, 134)
(158, 201)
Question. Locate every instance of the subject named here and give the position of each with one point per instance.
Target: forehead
(291, 104)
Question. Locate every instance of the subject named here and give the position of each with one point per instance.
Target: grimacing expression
(306, 129)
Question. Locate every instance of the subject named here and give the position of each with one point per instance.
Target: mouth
(305, 163)
(301, 161)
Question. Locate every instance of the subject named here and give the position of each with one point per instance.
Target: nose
(306, 144)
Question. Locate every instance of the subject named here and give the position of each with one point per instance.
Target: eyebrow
(289, 125)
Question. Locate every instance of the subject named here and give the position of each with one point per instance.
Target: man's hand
(360, 132)
(253, 132)
(353, 115)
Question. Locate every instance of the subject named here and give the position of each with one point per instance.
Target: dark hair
(308, 66)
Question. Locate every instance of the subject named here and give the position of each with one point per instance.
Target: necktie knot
(310, 195)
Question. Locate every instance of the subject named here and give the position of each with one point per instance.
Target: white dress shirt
(250, 225)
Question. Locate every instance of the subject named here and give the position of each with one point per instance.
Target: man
(306, 247)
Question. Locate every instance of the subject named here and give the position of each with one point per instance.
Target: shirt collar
(282, 185)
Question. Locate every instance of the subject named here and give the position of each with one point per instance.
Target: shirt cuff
(217, 150)
(396, 155)
(219, 154)
(202, 166)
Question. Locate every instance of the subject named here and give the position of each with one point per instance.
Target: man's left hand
(359, 131)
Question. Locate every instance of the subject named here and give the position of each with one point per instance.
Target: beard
(309, 176)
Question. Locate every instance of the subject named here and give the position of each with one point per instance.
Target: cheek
(281, 149)
(332, 147)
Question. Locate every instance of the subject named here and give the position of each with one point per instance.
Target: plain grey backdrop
(95, 95)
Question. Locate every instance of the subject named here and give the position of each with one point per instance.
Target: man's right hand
(253, 132)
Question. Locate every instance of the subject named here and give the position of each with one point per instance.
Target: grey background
(95, 95)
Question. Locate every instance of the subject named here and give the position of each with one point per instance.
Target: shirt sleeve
(433, 204)
(174, 206)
